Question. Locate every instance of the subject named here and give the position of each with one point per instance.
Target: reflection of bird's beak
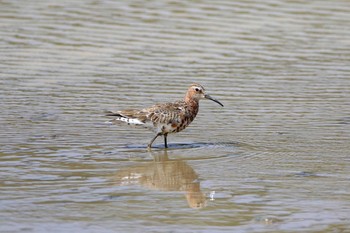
(215, 100)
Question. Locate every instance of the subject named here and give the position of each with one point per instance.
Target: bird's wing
(160, 113)
(165, 113)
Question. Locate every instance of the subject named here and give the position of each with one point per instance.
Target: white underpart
(158, 128)
(131, 121)
(136, 122)
(164, 128)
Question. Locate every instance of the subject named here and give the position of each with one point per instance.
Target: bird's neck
(189, 98)
(192, 103)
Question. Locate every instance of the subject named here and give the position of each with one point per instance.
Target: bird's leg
(165, 140)
(150, 144)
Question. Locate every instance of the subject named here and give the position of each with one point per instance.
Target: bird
(165, 118)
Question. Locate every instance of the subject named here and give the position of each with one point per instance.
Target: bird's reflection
(165, 175)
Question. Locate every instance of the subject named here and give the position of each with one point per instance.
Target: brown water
(274, 159)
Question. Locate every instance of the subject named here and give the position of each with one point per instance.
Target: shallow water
(274, 159)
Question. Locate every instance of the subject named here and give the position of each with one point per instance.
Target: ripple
(205, 145)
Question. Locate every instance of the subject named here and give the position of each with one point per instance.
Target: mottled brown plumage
(167, 117)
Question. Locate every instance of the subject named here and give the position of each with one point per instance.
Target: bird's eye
(197, 89)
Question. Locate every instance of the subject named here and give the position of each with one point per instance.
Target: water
(274, 159)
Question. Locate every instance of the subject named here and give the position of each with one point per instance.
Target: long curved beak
(215, 100)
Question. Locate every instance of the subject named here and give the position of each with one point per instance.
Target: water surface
(274, 159)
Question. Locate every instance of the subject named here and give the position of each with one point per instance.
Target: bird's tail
(110, 113)
(119, 117)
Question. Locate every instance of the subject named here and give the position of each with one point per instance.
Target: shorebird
(165, 118)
